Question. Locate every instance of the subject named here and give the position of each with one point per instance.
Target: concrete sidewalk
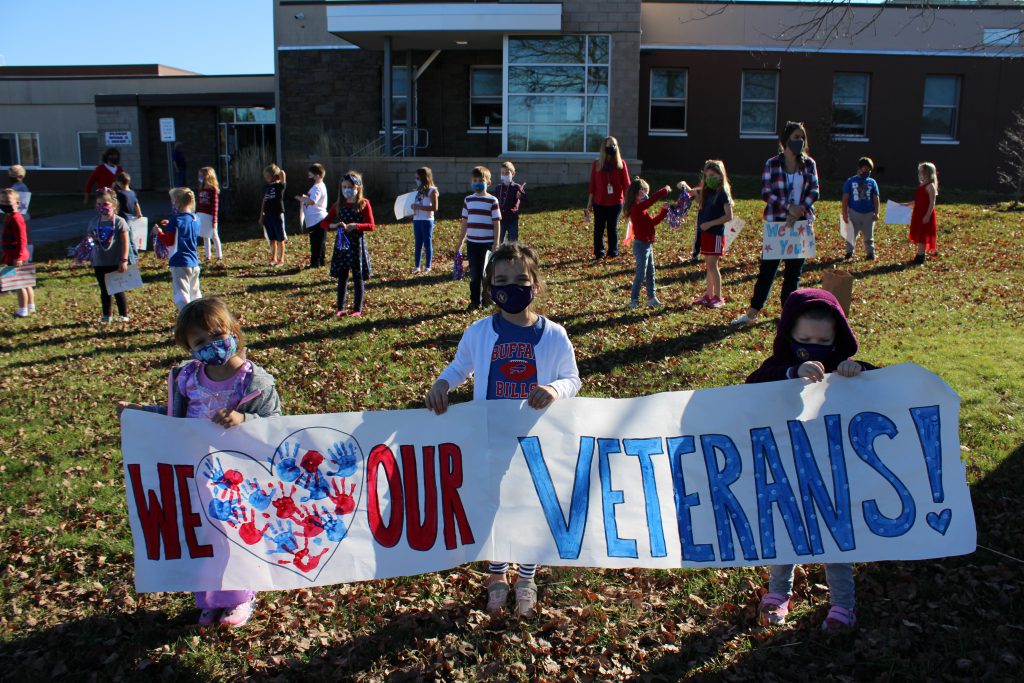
(57, 228)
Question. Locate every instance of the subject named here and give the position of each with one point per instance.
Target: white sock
(21, 312)
(31, 308)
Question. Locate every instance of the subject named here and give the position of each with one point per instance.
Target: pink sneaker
(715, 302)
(341, 314)
(236, 616)
(773, 609)
(702, 300)
(208, 616)
(839, 619)
(356, 314)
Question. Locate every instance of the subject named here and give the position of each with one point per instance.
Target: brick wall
(134, 156)
(195, 128)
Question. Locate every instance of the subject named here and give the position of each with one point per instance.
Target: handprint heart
(253, 502)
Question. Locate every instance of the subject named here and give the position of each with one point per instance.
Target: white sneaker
(743, 319)
(653, 302)
(31, 308)
(633, 303)
(236, 616)
(21, 313)
(123, 319)
(104, 320)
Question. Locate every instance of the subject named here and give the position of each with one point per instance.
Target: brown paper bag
(840, 283)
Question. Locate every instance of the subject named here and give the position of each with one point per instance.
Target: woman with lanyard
(789, 187)
(103, 176)
(609, 178)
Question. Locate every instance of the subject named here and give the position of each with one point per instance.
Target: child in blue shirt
(182, 230)
(860, 206)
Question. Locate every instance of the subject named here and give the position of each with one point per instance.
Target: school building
(387, 86)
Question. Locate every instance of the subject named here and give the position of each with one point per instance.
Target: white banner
(897, 214)
(847, 470)
(788, 242)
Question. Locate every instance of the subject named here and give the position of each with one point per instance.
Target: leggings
(122, 300)
(216, 243)
(357, 287)
(606, 218)
(766, 276)
(317, 237)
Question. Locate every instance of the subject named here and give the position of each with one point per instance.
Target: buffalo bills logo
(517, 370)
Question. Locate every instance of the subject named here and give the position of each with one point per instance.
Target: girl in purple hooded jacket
(813, 338)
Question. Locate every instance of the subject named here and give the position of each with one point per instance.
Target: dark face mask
(805, 352)
(611, 149)
(6, 208)
(512, 298)
(865, 174)
(796, 146)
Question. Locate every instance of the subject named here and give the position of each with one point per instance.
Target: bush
(247, 181)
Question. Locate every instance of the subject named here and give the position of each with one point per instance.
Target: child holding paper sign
(813, 338)
(15, 248)
(112, 249)
(424, 207)
(513, 354)
(923, 224)
(222, 385)
(860, 207)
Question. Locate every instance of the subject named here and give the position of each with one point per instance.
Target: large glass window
(759, 96)
(19, 148)
(668, 101)
(850, 105)
(558, 93)
(88, 148)
(399, 96)
(941, 102)
(485, 97)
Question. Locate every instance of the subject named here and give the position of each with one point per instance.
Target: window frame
(863, 135)
(17, 148)
(668, 132)
(953, 138)
(759, 135)
(78, 137)
(499, 100)
(585, 95)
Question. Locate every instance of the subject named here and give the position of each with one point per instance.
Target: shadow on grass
(655, 351)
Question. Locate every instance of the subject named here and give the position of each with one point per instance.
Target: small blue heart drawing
(940, 521)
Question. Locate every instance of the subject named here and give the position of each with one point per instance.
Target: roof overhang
(440, 26)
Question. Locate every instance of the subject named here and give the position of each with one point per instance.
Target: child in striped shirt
(481, 225)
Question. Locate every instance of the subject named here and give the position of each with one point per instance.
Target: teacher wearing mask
(789, 187)
(103, 175)
(609, 178)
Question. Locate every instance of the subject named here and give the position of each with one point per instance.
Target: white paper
(897, 214)
(732, 231)
(846, 232)
(24, 199)
(734, 476)
(123, 282)
(139, 230)
(205, 225)
(792, 242)
(403, 205)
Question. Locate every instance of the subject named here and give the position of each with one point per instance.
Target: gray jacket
(260, 398)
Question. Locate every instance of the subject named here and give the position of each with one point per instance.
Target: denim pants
(766, 277)
(839, 577)
(644, 253)
(509, 228)
(606, 218)
(423, 233)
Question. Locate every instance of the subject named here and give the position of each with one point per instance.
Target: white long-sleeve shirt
(556, 359)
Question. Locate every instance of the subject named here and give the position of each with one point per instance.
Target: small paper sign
(732, 231)
(896, 213)
(123, 282)
(846, 232)
(403, 205)
(139, 229)
(788, 242)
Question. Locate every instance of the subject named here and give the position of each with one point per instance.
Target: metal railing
(405, 142)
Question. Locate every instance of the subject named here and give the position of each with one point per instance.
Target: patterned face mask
(217, 351)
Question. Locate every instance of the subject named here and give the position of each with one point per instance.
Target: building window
(850, 105)
(19, 148)
(485, 97)
(941, 102)
(88, 148)
(759, 96)
(668, 101)
(1001, 37)
(557, 93)
(399, 96)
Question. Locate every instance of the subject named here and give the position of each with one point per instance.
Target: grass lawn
(69, 610)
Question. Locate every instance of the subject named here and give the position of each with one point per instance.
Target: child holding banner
(714, 211)
(351, 255)
(182, 230)
(208, 199)
(222, 385)
(424, 207)
(112, 250)
(813, 338)
(15, 248)
(641, 230)
(514, 354)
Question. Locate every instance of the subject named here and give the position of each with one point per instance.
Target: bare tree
(1011, 147)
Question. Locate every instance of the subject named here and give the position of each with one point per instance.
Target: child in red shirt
(15, 247)
(643, 224)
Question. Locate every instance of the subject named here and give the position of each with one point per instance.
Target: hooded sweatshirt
(783, 362)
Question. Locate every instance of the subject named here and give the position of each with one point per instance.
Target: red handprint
(306, 562)
(248, 531)
(312, 523)
(344, 502)
(285, 506)
(311, 461)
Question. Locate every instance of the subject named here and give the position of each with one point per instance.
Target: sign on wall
(167, 133)
(117, 138)
(846, 470)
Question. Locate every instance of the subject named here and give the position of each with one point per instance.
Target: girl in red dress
(923, 226)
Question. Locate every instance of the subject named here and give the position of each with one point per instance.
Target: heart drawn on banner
(939, 521)
(293, 510)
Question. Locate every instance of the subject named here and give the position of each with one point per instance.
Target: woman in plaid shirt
(789, 187)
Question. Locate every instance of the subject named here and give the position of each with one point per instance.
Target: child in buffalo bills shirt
(514, 354)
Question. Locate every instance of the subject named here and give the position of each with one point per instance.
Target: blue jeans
(423, 232)
(839, 577)
(509, 228)
(644, 253)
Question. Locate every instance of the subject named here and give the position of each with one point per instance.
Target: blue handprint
(343, 455)
(334, 527)
(223, 510)
(281, 535)
(255, 496)
(287, 470)
(318, 489)
(214, 471)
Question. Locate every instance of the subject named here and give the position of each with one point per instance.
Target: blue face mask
(218, 351)
(512, 298)
(348, 192)
(478, 187)
(805, 352)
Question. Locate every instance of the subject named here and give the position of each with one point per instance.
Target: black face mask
(611, 149)
(6, 208)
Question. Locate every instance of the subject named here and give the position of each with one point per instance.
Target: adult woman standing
(609, 178)
(789, 187)
(103, 176)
